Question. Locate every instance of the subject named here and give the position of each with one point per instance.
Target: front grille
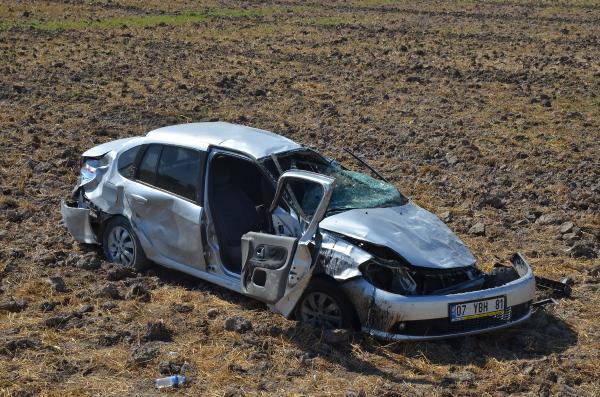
(443, 326)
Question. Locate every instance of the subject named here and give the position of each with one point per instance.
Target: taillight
(89, 168)
(88, 173)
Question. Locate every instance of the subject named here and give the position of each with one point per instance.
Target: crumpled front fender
(341, 259)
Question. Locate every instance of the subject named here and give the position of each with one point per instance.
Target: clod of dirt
(142, 355)
(138, 291)
(109, 305)
(84, 309)
(566, 227)
(477, 229)
(212, 313)
(233, 367)
(182, 308)
(571, 238)
(582, 250)
(9, 268)
(58, 321)
(545, 100)
(47, 306)
(336, 336)
(174, 367)
(47, 259)
(57, 284)
(414, 79)
(89, 261)
(446, 216)
(594, 271)
(234, 392)
(237, 324)
(226, 82)
(462, 376)
(119, 273)
(12, 346)
(16, 253)
(549, 219)
(110, 291)
(258, 356)
(295, 372)
(14, 306)
(451, 159)
(492, 201)
(108, 340)
(157, 330)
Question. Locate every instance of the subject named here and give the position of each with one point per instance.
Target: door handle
(139, 199)
(260, 253)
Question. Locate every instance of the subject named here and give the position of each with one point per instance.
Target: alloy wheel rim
(321, 310)
(121, 247)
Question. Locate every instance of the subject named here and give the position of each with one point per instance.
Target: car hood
(417, 235)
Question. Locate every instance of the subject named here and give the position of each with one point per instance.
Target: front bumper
(395, 317)
(393, 337)
(78, 222)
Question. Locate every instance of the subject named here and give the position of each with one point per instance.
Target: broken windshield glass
(352, 189)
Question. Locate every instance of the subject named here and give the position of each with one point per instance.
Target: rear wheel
(122, 246)
(324, 305)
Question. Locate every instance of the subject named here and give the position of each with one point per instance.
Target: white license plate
(475, 309)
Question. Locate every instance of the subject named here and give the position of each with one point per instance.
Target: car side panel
(168, 226)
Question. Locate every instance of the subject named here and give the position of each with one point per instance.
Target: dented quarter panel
(414, 233)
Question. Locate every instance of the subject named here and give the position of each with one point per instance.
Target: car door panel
(276, 269)
(172, 225)
(268, 260)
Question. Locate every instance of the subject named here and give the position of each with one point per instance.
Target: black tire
(324, 287)
(114, 253)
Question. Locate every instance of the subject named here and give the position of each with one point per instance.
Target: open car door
(276, 269)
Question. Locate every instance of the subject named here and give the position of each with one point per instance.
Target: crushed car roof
(253, 141)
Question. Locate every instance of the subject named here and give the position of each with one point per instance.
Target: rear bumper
(78, 222)
(396, 317)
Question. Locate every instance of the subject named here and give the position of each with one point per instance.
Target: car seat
(234, 215)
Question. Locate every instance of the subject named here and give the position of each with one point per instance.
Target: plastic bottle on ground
(171, 381)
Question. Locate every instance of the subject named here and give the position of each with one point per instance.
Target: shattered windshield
(352, 189)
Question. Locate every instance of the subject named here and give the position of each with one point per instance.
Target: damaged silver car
(261, 215)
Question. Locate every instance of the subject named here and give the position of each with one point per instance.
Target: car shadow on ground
(542, 335)
(308, 340)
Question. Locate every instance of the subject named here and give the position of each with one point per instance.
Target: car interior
(239, 199)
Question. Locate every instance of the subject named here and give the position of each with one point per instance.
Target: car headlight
(392, 277)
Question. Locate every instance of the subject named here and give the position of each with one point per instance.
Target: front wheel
(324, 305)
(122, 246)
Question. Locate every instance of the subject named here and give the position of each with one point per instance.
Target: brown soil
(490, 111)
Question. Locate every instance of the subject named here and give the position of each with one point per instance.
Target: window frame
(199, 192)
(139, 161)
(141, 149)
